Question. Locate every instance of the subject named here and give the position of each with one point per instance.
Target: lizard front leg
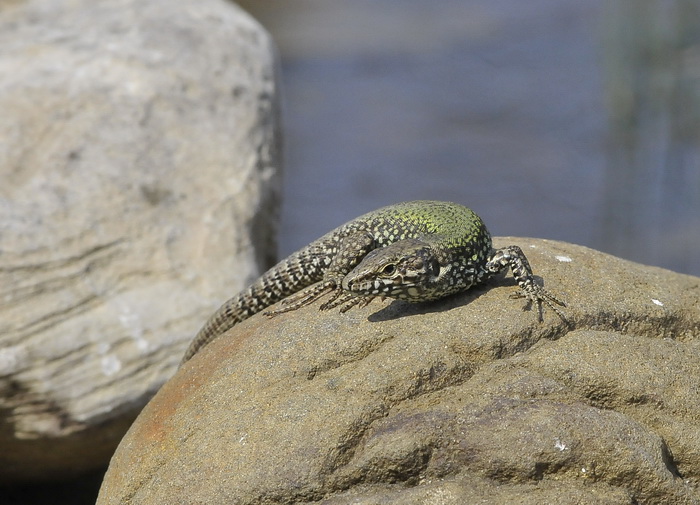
(350, 251)
(513, 257)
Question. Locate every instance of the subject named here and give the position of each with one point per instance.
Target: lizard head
(405, 269)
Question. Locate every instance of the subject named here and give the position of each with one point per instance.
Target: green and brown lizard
(415, 251)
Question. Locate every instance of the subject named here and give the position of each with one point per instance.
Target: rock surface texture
(139, 153)
(464, 400)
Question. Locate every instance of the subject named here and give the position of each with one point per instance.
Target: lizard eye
(389, 269)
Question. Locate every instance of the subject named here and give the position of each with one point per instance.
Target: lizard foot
(513, 257)
(538, 295)
(346, 301)
(305, 297)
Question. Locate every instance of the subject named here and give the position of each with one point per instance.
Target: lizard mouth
(363, 287)
(395, 287)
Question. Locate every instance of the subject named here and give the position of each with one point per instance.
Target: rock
(140, 189)
(462, 400)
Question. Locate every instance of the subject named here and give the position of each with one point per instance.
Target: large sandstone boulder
(139, 159)
(464, 400)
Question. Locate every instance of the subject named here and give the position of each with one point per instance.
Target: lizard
(416, 251)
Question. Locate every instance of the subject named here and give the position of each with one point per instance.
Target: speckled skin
(416, 251)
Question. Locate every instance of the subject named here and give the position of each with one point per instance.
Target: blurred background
(561, 119)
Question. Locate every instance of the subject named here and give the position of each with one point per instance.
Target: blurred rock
(463, 400)
(140, 158)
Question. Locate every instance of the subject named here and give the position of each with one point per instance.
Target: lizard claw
(305, 297)
(339, 298)
(356, 301)
(346, 301)
(538, 295)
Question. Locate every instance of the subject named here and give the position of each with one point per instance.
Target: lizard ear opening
(433, 270)
(434, 266)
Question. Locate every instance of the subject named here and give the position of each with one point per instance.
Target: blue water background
(562, 119)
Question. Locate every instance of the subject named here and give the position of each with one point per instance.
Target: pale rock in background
(140, 159)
